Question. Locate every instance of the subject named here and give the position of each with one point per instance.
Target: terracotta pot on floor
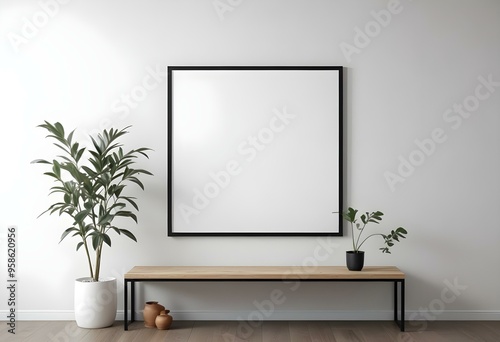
(151, 310)
(163, 320)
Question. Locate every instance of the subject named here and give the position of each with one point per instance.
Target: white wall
(78, 63)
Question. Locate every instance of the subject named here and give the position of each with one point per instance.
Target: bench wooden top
(261, 273)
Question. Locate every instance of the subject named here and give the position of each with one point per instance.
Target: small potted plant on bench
(355, 257)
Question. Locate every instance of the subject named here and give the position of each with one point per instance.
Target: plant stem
(368, 237)
(88, 257)
(359, 236)
(352, 230)
(98, 263)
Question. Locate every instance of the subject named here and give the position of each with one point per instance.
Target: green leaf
(96, 145)
(75, 197)
(119, 189)
(106, 239)
(59, 129)
(66, 232)
(72, 169)
(51, 174)
(95, 240)
(137, 181)
(89, 227)
(81, 216)
(116, 229)
(74, 149)
(142, 151)
(70, 137)
(131, 201)
(401, 230)
(117, 205)
(62, 147)
(350, 214)
(79, 155)
(105, 178)
(124, 213)
(67, 198)
(105, 219)
(40, 161)
(128, 234)
(142, 171)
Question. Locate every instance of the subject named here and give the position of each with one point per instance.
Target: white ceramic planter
(95, 302)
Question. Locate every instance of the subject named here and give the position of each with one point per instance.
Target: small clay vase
(151, 310)
(163, 320)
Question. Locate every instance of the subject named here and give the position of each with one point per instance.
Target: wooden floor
(276, 331)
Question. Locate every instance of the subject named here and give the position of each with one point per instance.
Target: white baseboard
(292, 315)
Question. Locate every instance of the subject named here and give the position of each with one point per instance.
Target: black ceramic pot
(355, 260)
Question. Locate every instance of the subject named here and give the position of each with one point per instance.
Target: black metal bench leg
(132, 301)
(126, 301)
(125, 306)
(396, 302)
(400, 321)
(403, 305)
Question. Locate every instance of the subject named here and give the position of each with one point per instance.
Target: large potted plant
(91, 186)
(355, 257)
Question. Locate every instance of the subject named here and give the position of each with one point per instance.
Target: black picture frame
(281, 127)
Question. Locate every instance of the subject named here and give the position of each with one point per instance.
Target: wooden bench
(264, 273)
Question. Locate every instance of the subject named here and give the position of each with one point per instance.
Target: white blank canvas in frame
(254, 150)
